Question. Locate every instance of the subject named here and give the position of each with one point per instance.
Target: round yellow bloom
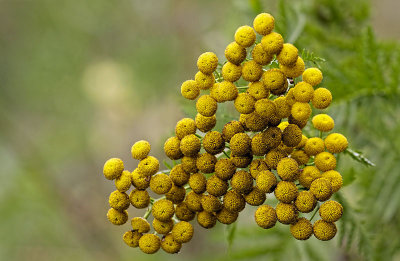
(206, 219)
(265, 216)
(336, 142)
(140, 225)
(242, 181)
(303, 92)
(131, 238)
(266, 181)
(325, 161)
(176, 194)
(295, 70)
(234, 201)
(207, 62)
(123, 183)
(139, 198)
(224, 169)
(235, 53)
(251, 71)
(244, 103)
(198, 182)
(308, 175)
(288, 55)
(184, 127)
(272, 137)
(335, 179)
(286, 213)
(314, 146)
(283, 109)
(140, 180)
(264, 23)
(272, 43)
(231, 72)
(190, 89)
(149, 166)
(312, 76)
(169, 245)
(292, 135)
(149, 243)
(190, 145)
(257, 166)
(193, 201)
(256, 197)
(302, 229)
(140, 149)
(230, 129)
(322, 98)
(323, 122)
(265, 108)
(189, 164)
(302, 142)
(324, 230)
(119, 200)
(241, 161)
(240, 144)
(213, 142)
(216, 186)
(273, 157)
(305, 202)
(274, 80)
(113, 168)
(300, 157)
(160, 183)
(286, 191)
(204, 123)
(210, 203)
(163, 227)
(117, 217)
(224, 216)
(245, 36)
(258, 146)
(227, 91)
(331, 211)
(206, 105)
(300, 123)
(260, 56)
(321, 189)
(206, 162)
(255, 122)
(182, 232)
(258, 90)
(288, 169)
(172, 148)
(301, 111)
(204, 81)
(163, 210)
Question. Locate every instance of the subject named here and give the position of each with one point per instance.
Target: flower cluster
(264, 151)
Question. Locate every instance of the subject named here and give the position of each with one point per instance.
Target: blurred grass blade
(356, 155)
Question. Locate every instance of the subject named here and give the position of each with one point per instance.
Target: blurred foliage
(81, 81)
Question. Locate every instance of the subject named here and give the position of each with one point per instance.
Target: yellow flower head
(288, 169)
(272, 137)
(230, 129)
(207, 62)
(325, 161)
(140, 225)
(193, 201)
(140, 149)
(149, 166)
(264, 23)
(227, 91)
(204, 81)
(292, 135)
(295, 70)
(117, 217)
(240, 144)
(231, 72)
(123, 183)
(245, 36)
(324, 230)
(308, 175)
(302, 229)
(160, 183)
(331, 211)
(265, 108)
(265, 216)
(234, 201)
(169, 245)
(140, 180)
(213, 142)
(204, 123)
(131, 238)
(336, 142)
(283, 109)
(172, 148)
(149, 243)
(275, 81)
(224, 216)
(256, 197)
(266, 181)
(163, 210)
(198, 182)
(305, 202)
(286, 191)
(139, 198)
(272, 43)
(290, 99)
(244, 103)
(335, 179)
(224, 169)
(260, 56)
(184, 127)
(301, 111)
(323, 122)
(206, 162)
(303, 92)
(255, 122)
(242, 181)
(176, 194)
(190, 89)
(163, 227)
(206, 219)
(216, 186)
(258, 146)
(258, 90)
(251, 71)
(241, 161)
(288, 55)
(182, 232)
(314, 146)
(190, 145)
(257, 166)
(119, 200)
(321, 189)
(322, 98)
(189, 164)
(206, 105)
(235, 53)
(300, 157)
(113, 168)
(302, 142)
(210, 203)
(312, 76)
(286, 213)
(183, 212)
(273, 157)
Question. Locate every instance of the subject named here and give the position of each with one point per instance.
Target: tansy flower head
(184, 127)
(210, 203)
(207, 62)
(213, 142)
(149, 166)
(256, 197)
(169, 245)
(288, 169)
(321, 189)
(300, 157)
(260, 56)
(189, 164)
(224, 169)
(204, 81)
(302, 142)
(257, 166)
(197, 182)
(258, 146)
(230, 129)
(286, 191)
(266, 181)
(206, 105)
(182, 232)
(325, 161)
(308, 175)
(323, 122)
(336, 143)
(190, 145)
(295, 70)
(286, 213)
(163, 210)
(272, 43)
(322, 98)
(119, 200)
(290, 99)
(264, 23)
(335, 178)
(273, 157)
(314, 146)
(206, 162)
(305, 202)
(183, 212)
(124, 182)
(140, 180)
(324, 230)
(204, 123)
(117, 217)
(251, 71)
(149, 243)
(245, 36)
(288, 55)
(303, 92)
(131, 238)
(241, 161)
(301, 111)
(163, 227)
(312, 76)
(258, 90)
(265, 108)
(139, 198)
(272, 137)
(240, 144)
(206, 219)
(265, 216)
(193, 201)
(216, 186)
(302, 229)
(331, 211)
(234, 201)
(224, 216)
(255, 122)
(113, 168)
(172, 148)
(231, 72)
(292, 135)
(140, 225)
(190, 89)
(160, 183)
(176, 194)
(283, 109)
(242, 181)
(140, 149)
(275, 81)
(244, 103)
(235, 53)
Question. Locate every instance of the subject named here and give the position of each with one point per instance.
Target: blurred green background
(80, 81)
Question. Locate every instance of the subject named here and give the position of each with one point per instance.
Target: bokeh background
(80, 81)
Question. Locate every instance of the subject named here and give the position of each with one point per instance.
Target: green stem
(147, 214)
(242, 87)
(320, 134)
(315, 212)
(226, 154)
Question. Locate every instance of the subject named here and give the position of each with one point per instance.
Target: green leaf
(357, 155)
(231, 234)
